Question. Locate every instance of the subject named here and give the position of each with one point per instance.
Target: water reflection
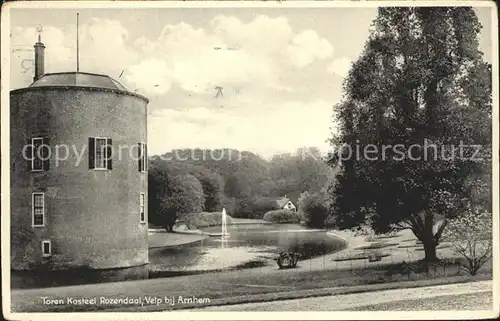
(246, 245)
(249, 245)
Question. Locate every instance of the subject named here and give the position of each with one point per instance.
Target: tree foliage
(238, 186)
(314, 208)
(420, 81)
(244, 183)
(213, 187)
(256, 207)
(306, 170)
(172, 193)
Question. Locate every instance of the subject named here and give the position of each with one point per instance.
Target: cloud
(285, 127)
(262, 36)
(234, 53)
(151, 76)
(258, 63)
(185, 55)
(306, 47)
(340, 66)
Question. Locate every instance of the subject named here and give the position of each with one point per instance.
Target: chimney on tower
(39, 57)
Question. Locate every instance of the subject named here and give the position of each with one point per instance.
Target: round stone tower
(78, 173)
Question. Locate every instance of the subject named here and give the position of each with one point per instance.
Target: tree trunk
(430, 250)
(423, 232)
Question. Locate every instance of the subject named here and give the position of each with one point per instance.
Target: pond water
(247, 245)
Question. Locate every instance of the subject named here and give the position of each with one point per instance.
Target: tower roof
(78, 79)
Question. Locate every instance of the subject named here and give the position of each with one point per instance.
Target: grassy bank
(164, 239)
(324, 275)
(205, 219)
(242, 286)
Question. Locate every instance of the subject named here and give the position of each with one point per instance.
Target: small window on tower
(142, 208)
(38, 154)
(38, 209)
(100, 153)
(143, 157)
(46, 248)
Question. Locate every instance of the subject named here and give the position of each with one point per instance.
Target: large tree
(314, 208)
(172, 192)
(213, 187)
(420, 81)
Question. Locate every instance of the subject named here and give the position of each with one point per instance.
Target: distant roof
(282, 201)
(81, 79)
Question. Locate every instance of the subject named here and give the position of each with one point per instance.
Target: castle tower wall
(91, 216)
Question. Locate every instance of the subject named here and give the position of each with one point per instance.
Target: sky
(279, 70)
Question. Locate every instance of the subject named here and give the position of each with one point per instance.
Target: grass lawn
(388, 236)
(377, 245)
(313, 277)
(240, 287)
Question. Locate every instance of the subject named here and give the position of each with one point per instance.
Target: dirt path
(478, 301)
(351, 301)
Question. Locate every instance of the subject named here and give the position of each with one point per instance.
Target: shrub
(364, 230)
(282, 216)
(314, 208)
(205, 219)
(470, 236)
(254, 207)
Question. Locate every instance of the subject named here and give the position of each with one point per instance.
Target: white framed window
(46, 248)
(100, 153)
(143, 157)
(39, 154)
(142, 208)
(38, 209)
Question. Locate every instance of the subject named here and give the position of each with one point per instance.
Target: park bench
(287, 260)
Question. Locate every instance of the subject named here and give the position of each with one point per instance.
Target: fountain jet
(224, 233)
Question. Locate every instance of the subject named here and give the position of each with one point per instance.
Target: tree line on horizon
(245, 184)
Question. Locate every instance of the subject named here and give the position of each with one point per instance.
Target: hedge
(205, 219)
(282, 216)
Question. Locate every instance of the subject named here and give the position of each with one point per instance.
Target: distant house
(286, 204)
